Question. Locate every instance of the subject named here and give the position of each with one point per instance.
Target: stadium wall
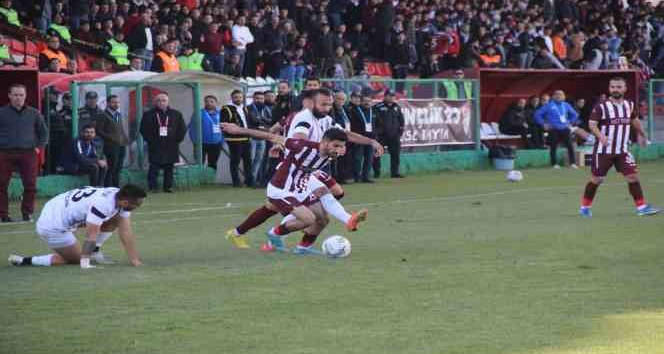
(411, 164)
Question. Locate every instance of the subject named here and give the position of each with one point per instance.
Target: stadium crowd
(292, 39)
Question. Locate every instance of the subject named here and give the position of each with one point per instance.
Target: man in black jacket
(389, 127)
(362, 122)
(163, 128)
(110, 127)
(238, 145)
(515, 122)
(87, 115)
(342, 167)
(141, 41)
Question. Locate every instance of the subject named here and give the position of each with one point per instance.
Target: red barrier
(502, 87)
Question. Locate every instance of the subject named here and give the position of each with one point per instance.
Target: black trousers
(95, 173)
(115, 155)
(342, 166)
(563, 137)
(212, 151)
(153, 173)
(363, 155)
(241, 151)
(393, 144)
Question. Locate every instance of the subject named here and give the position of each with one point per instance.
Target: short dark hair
(88, 126)
(311, 78)
(212, 97)
(323, 92)
(267, 92)
(284, 82)
(335, 134)
(17, 85)
(110, 97)
(259, 93)
(618, 78)
(131, 192)
(235, 92)
(308, 94)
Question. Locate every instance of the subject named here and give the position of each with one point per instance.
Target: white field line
(392, 202)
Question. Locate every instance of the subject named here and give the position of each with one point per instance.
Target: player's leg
(567, 142)
(553, 147)
(303, 218)
(306, 244)
(237, 236)
(106, 232)
(64, 244)
(334, 208)
(627, 166)
(600, 165)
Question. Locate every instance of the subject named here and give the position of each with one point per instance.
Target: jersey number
(82, 193)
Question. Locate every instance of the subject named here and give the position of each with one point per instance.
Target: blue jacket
(88, 153)
(558, 115)
(209, 121)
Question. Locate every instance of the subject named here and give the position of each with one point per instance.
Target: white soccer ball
(336, 247)
(514, 176)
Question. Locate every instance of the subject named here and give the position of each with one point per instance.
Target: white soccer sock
(332, 206)
(44, 261)
(102, 237)
(288, 218)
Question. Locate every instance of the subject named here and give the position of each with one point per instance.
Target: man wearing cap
(389, 127)
(87, 114)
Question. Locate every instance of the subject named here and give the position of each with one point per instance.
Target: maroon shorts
(286, 205)
(602, 163)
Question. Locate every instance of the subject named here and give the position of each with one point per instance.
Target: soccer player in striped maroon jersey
(295, 194)
(611, 121)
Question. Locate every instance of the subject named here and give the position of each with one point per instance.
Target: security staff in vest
(191, 59)
(212, 137)
(87, 115)
(458, 90)
(165, 61)
(5, 55)
(51, 52)
(110, 128)
(10, 15)
(163, 129)
(22, 133)
(117, 49)
(57, 28)
(238, 145)
(389, 128)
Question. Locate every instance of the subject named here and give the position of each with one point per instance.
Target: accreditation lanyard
(561, 113)
(163, 126)
(345, 116)
(367, 122)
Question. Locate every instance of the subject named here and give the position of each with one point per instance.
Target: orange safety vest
(50, 54)
(488, 60)
(559, 48)
(170, 62)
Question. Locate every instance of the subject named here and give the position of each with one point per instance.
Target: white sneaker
(100, 258)
(15, 260)
(574, 166)
(556, 167)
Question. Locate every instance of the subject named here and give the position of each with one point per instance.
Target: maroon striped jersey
(303, 157)
(614, 121)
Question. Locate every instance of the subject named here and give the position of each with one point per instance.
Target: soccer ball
(514, 176)
(336, 247)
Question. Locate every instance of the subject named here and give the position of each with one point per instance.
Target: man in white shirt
(241, 37)
(99, 210)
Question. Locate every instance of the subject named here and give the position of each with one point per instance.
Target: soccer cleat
(356, 219)
(303, 251)
(585, 212)
(556, 167)
(647, 210)
(15, 260)
(99, 258)
(267, 247)
(239, 241)
(574, 166)
(276, 241)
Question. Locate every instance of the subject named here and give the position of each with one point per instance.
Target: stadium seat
(260, 81)
(496, 128)
(270, 80)
(486, 132)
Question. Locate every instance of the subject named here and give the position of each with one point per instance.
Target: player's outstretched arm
(129, 241)
(91, 232)
(355, 138)
(254, 133)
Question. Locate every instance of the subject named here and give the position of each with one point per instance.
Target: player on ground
(101, 210)
(292, 189)
(610, 122)
(309, 124)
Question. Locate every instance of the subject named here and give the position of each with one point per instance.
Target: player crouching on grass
(302, 199)
(610, 121)
(100, 210)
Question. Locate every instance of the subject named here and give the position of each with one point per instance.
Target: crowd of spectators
(291, 39)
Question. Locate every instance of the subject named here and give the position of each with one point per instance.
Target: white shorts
(56, 238)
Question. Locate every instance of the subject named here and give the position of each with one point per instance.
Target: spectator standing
(165, 61)
(362, 122)
(241, 37)
(57, 133)
(342, 168)
(389, 128)
(163, 129)
(456, 89)
(515, 121)
(536, 131)
(191, 59)
(238, 145)
(557, 118)
(83, 32)
(212, 137)
(400, 59)
(212, 46)
(87, 115)
(261, 118)
(110, 128)
(141, 40)
(89, 156)
(52, 52)
(234, 66)
(254, 49)
(59, 29)
(117, 49)
(22, 133)
(385, 15)
(8, 14)
(324, 48)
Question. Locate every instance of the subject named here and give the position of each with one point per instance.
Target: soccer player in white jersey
(610, 122)
(309, 124)
(99, 210)
(291, 189)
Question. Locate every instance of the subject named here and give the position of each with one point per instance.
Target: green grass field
(459, 262)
